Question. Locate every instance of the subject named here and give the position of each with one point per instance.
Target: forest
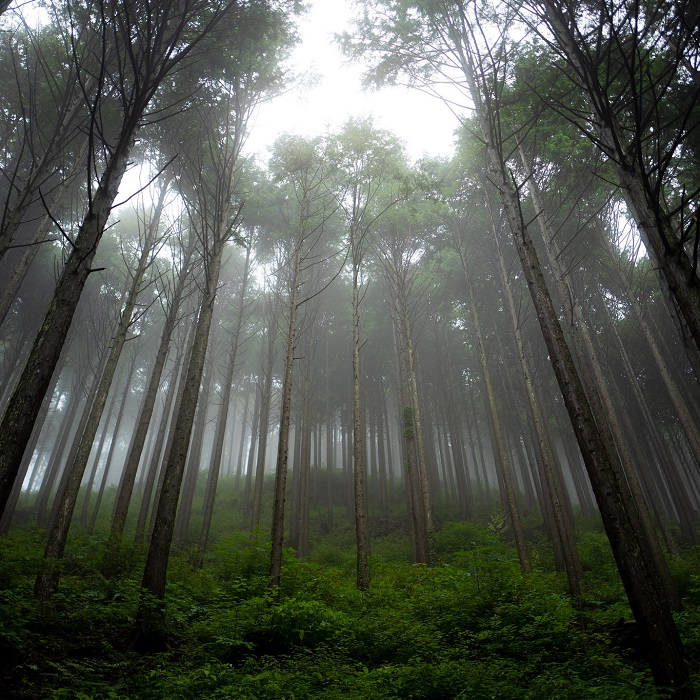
(331, 422)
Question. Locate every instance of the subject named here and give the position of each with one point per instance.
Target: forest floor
(471, 626)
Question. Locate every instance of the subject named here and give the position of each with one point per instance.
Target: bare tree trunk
(598, 394)
(113, 444)
(171, 409)
(25, 403)
(6, 519)
(194, 458)
(358, 447)
(217, 447)
(285, 418)
(47, 581)
(248, 507)
(264, 423)
(97, 453)
(153, 583)
(128, 477)
(563, 527)
(305, 468)
(510, 500)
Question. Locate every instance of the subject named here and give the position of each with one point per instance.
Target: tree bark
(25, 403)
(218, 446)
(285, 418)
(149, 616)
(135, 450)
(47, 581)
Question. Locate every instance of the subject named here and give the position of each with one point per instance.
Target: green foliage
(472, 626)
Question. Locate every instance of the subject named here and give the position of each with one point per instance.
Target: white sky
(424, 123)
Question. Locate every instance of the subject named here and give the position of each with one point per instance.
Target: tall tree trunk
(47, 581)
(264, 424)
(138, 440)
(6, 519)
(149, 617)
(194, 458)
(564, 533)
(510, 500)
(358, 437)
(113, 444)
(249, 507)
(171, 408)
(24, 405)
(285, 418)
(97, 453)
(598, 394)
(218, 446)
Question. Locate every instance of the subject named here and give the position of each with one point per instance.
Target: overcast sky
(422, 122)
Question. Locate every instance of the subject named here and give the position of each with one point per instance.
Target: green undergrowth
(472, 626)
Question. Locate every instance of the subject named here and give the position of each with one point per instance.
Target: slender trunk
(47, 581)
(138, 440)
(24, 405)
(97, 453)
(149, 616)
(598, 394)
(563, 526)
(358, 439)
(254, 427)
(113, 444)
(194, 457)
(218, 445)
(285, 418)
(171, 409)
(263, 425)
(503, 463)
(305, 469)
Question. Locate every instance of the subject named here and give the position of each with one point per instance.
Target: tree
(369, 163)
(218, 446)
(399, 245)
(213, 191)
(148, 46)
(172, 296)
(640, 111)
(303, 169)
(446, 37)
(47, 580)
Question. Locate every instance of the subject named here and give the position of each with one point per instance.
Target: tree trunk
(47, 581)
(25, 403)
(283, 444)
(194, 458)
(218, 446)
(113, 444)
(128, 477)
(264, 424)
(510, 500)
(171, 408)
(358, 439)
(149, 616)
(563, 527)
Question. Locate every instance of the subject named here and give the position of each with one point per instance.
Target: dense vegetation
(460, 371)
(470, 626)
